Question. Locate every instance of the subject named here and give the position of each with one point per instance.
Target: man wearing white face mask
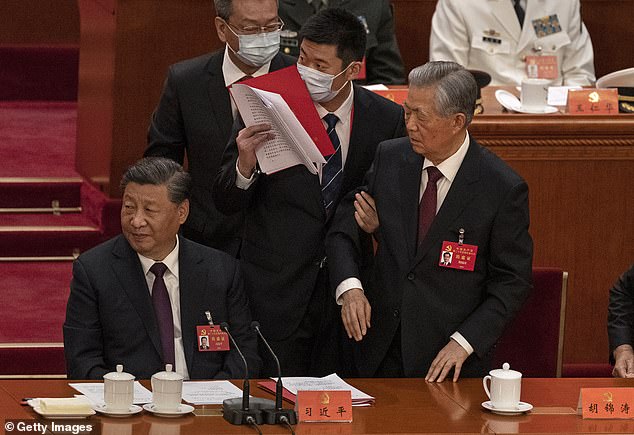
(195, 113)
(288, 213)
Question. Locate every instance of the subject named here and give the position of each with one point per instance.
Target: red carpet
(35, 308)
(37, 139)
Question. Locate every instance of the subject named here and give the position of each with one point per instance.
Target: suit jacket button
(397, 313)
(411, 276)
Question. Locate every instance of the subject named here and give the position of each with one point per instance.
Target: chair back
(533, 342)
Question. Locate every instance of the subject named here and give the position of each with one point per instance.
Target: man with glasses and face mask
(288, 212)
(195, 113)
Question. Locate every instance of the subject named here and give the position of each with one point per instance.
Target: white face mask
(258, 49)
(319, 83)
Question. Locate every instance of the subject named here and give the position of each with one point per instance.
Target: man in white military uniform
(503, 37)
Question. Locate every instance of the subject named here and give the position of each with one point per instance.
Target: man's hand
(248, 140)
(452, 355)
(624, 365)
(355, 313)
(365, 214)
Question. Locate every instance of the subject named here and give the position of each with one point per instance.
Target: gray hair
(159, 171)
(224, 8)
(456, 89)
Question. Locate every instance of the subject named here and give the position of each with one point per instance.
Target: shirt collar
(343, 112)
(449, 167)
(171, 261)
(232, 73)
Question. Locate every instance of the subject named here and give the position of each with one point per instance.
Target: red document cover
(288, 83)
(270, 387)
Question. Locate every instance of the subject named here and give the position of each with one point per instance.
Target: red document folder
(288, 83)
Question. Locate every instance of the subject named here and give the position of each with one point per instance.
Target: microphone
(240, 410)
(278, 415)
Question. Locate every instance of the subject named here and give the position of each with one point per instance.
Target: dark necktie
(428, 203)
(163, 312)
(519, 11)
(332, 174)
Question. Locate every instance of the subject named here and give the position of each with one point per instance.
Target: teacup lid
(119, 375)
(167, 375)
(505, 372)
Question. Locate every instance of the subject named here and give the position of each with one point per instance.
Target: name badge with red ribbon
(458, 255)
(211, 338)
(542, 67)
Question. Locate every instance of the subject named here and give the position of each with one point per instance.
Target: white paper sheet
(94, 392)
(209, 392)
(558, 95)
(330, 382)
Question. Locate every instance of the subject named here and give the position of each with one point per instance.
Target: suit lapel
(129, 273)
(503, 11)
(533, 10)
(360, 132)
(410, 176)
(219, 98)
(192, 277)
(461, 193)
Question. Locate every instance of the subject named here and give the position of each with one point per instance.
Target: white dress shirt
(232, 74)
(343, 129)
(173, 290)
(449, 168)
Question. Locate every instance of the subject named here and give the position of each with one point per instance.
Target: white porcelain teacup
(167, 390)
(534, 93)
(118, 390)
(506, 386)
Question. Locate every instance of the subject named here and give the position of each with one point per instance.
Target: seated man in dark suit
(435, 191)
(288, 212)
(138, 298)
(621, 325)
(195, 113)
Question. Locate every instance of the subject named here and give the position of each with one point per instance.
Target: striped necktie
(332, 174)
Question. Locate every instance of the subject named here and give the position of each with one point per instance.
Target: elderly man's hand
(365, 212)
(624, 365)
(248, 140)
(452, 355)
(355, 313)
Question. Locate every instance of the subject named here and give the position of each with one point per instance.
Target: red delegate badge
(542, 67)
(458, 256)
(211, 338)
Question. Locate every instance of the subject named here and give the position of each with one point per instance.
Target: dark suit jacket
(286, 223)
(110, 319)
(383, 58)
(194, 115)
(621, 312)
(490, 201)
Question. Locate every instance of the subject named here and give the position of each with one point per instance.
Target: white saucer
(182, 410)
(511, 102)
(102, 409)
(522, 407)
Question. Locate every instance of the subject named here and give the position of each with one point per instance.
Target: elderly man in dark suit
(138, 298)
(382, 56)
(288, 212)
(195, 113)
(435, 191)
(621, 325)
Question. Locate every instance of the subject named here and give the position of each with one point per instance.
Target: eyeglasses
(253, 30)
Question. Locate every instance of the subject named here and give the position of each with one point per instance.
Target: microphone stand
(240, 411)
(277, 415)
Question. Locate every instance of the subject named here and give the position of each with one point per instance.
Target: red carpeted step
(37, 139)
(33, 72)
(28, 235)
(18, 192)
(32, 311)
